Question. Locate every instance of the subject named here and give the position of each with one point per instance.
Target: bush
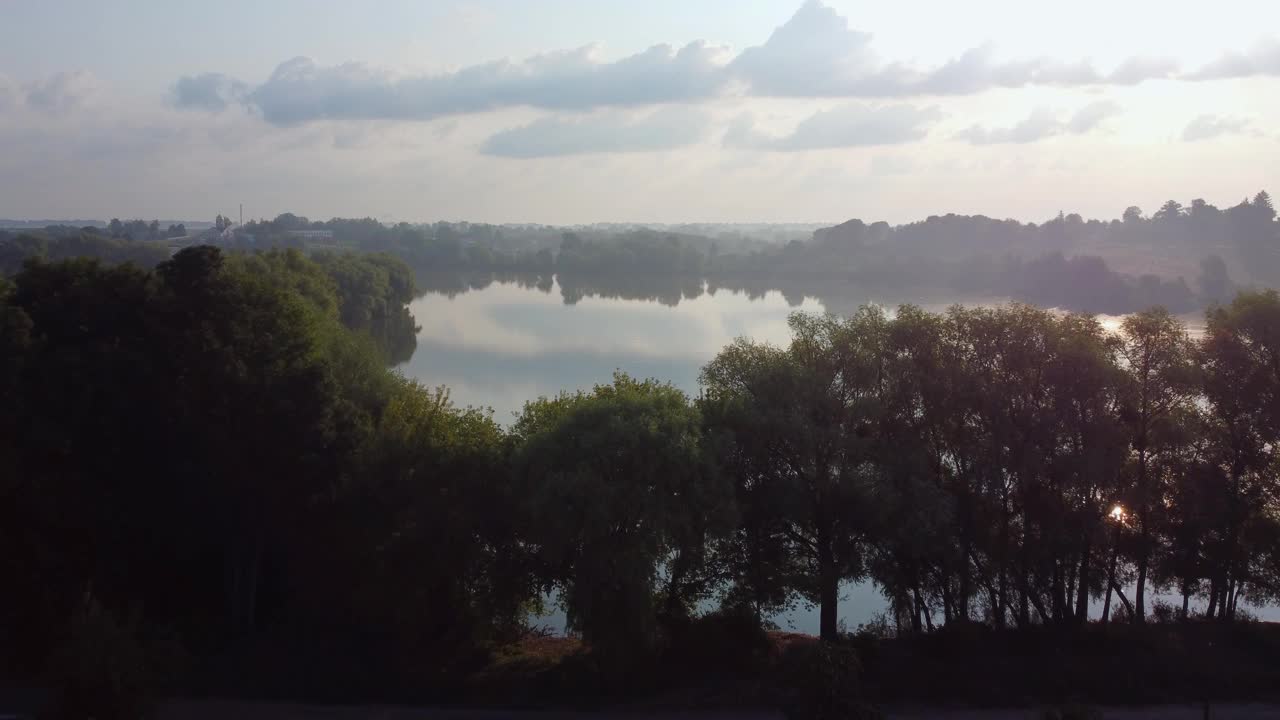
(99, 670)
(879, 627)
(820, 681)
(1163, 613)
(1245, 615)
(724, 642)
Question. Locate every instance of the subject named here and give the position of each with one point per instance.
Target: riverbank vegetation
(209, 476)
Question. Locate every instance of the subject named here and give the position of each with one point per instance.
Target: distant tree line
(142, 230)
(1180, 257)
(58, 243)
(1061, 262)
(211, 459)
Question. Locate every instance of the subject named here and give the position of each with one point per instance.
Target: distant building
(315, 239)
(313, 236)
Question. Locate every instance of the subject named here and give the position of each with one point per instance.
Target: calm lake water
(498, 344)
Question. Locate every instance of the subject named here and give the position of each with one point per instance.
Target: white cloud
(665, 129)
(301, 90)
(1042, 124)
(208, 91)
(60, 92)
(1208, 127)
(1091, 116)
(1261, 59)
(852, 125)
(815, 54)
(1139, 69)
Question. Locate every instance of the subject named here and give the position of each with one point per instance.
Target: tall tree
(626, 497)
(802, 423)
(1158, 358)
(1242, 386)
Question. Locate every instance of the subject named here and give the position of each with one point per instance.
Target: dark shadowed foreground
(264, 711)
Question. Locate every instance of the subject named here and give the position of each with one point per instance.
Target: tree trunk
(1082, 587)
(1186, 600)
(1024, 578)
(962, 602)
(1069, 599)
(1212, 611)
(1123, 600)
(1057, 604)
(828, 625)
(947, 610)
(917, 611)
(1233, 596)
(1003, 604)
(1139, 597)
(1038, 604)
(1111, 578)
(828, 588)
(1226, 607)
(1138, 594)
(679, 568)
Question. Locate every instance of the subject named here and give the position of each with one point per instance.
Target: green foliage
(622, 493)
(373, 296)
(450, 550)
(796, 433)
(219, 405)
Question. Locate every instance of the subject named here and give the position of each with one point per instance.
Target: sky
(578, 111)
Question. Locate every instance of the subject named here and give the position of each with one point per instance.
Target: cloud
(1207, 127)
(813, 54)
(817, 54)
(886, 165)
(301, 90)
(1261, 59)
(1089, 117)
(976, 70)
(1042, 124)
(56, 94)
(845, 126)
(612, 132)
(60, 92)
(208, 91)
(1139, 69)
(10, 92)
